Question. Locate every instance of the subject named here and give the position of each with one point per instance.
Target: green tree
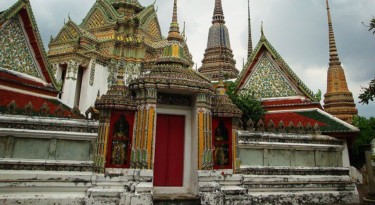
(368, 93)
(372, 25)
(366, 135)
(246, 101)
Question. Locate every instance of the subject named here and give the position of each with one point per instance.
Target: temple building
(115, 114)
(218, 54)
(338, 100)
(113, 32)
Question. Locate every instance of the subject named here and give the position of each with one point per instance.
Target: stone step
(178, 202)
(182, 199)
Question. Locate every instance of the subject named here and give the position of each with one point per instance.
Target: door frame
(187, 152)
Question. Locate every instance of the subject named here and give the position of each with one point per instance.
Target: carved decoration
(14, 50)
(268, 81)
(174, 99)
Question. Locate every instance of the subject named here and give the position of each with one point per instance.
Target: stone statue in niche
(221, 132)
(121, 128)
(118, 153)
(120, 141)
(221, 157)
(221, 154)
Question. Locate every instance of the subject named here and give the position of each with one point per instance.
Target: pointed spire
(218, 13)
(338, 100)
(250, 40)
(174, 29)
(174, 17)
(333, 55)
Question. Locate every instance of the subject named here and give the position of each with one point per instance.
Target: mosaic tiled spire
(338, 100)
(250, 40)
(174, 29)
(218, 50)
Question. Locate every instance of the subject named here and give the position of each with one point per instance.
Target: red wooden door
(169, 151)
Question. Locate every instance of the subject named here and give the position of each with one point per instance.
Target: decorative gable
(67, 34)
(15, 52)
(154, 28)
(97, 19)
(268, 85)
(268, 81)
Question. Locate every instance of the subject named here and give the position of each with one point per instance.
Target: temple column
(205, 150)
(144, 130)
(102, 141)
(236, 125)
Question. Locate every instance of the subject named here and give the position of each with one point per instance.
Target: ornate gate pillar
(144, 129)
(205, 161)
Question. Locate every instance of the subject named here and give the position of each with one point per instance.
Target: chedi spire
(218, 54)
(218, 16)
(338, 100)
(174, 29)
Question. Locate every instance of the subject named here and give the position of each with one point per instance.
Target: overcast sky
(296, 28)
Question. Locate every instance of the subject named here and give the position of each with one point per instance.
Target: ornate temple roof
(218, 53)
(222, 105)
(270, 77)
(118, 97)
(17, 103)
(338, 100)
(28, 87)
(309, 118)
(129, 3)
(109, 25)
(18, 23)
(173, 68)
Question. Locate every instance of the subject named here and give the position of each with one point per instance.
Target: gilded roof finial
(250, 40)
(218, 13)
(174, 29)
(333, 55)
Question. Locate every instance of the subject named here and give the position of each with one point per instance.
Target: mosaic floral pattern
(14, 51)
(267, 81)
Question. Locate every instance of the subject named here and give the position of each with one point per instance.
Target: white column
(70, 83)
(345, 155)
